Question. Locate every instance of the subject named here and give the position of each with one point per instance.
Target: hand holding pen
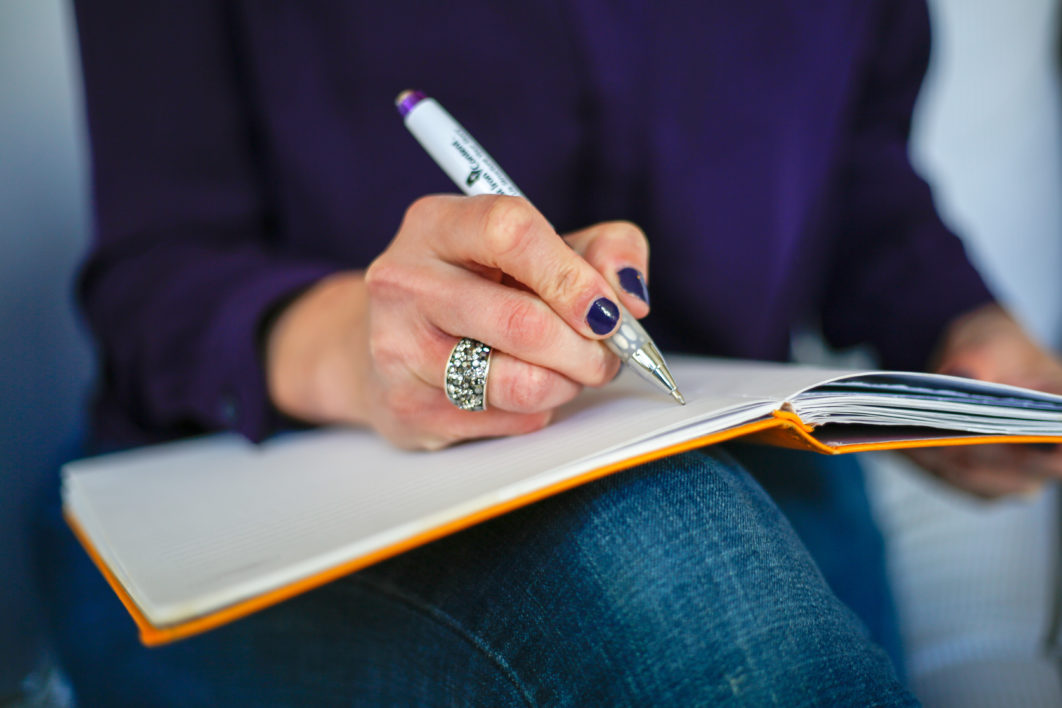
(475, 172)
(375, 348)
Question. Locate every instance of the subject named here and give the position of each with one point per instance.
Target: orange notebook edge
(151, 635)
(783, 428)
(795, 433)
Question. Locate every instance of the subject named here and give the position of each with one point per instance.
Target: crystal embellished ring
(466, 375)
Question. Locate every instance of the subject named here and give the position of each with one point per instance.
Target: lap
(678, 582)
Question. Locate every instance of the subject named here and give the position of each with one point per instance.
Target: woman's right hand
(370, 348)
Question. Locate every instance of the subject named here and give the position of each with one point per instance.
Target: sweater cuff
(921, 311)
(235, 392)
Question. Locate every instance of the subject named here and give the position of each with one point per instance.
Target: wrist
(314, 352)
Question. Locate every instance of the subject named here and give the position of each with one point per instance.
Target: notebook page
(187, 534)
(945, 402)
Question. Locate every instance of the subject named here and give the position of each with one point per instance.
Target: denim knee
(677, 583)
(681, 583)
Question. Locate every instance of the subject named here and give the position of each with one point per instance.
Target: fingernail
(603, 316)
(632, 280)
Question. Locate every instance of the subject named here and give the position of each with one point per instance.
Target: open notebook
(197, 533)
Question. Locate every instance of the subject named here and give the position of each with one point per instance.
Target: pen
(474, 172)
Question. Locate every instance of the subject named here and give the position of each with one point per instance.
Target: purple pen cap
(407, 99)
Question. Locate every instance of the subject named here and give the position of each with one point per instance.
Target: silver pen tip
(678, 396)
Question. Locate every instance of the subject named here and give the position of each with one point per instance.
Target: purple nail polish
(632, 280)
(603, 316)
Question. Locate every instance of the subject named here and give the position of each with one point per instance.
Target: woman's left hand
(990, 345)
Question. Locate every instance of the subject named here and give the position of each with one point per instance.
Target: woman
(265, 255)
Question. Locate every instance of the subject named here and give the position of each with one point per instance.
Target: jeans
(676, 583)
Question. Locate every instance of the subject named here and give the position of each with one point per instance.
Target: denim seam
(445, 620)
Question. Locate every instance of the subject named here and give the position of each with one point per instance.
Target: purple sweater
(242, 150)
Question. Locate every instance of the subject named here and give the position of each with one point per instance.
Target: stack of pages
(197, 533)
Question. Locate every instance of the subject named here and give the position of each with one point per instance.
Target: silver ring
(466, 375)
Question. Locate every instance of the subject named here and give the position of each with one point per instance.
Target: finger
(518, 323)
(509, 234)
(437, 423)
(619, 251)
(418, 415)
(1015, 460)
(516, 386)
(473, 425)
(982, 470)
(512, 384)
(991, 483)
(1044, 463)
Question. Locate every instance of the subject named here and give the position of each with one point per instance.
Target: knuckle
(434, 443)
(525, 326)
(622, 240)
(391, 354)
(404, 408)
(601, 368)
(533, 421)
(381, 346)
(401, 282)
(383, 276)
(629, 233)
(431, 432)
(529, 390)
(508, 223)
(419, 209)
(565, 282)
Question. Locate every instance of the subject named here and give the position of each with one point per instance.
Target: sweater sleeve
(183, 266)
(898, 276)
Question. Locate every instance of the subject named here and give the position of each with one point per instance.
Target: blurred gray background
(45, 362)
(988, 134)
